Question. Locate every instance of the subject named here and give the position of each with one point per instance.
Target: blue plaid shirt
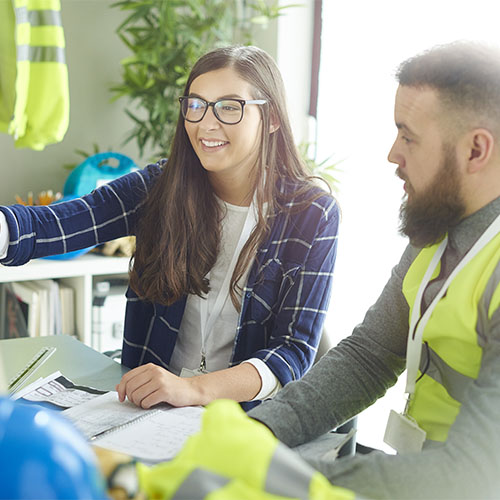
(284, 301)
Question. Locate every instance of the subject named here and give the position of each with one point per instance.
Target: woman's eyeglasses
(227, 111)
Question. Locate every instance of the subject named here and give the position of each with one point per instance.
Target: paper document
(151, 435)
(57, 390)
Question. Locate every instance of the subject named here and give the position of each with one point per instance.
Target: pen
(116, 427)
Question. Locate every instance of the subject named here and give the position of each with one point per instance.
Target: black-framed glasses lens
(228, 111)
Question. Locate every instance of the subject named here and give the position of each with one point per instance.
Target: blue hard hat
(43, 456)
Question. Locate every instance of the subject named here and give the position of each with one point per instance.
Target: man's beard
(428, 216)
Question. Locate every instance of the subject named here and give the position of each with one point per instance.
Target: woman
(235, 250)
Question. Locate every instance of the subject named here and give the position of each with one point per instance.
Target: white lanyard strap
(418, 322)
(413, 348)
(207, 321)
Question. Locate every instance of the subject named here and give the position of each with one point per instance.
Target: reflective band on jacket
(41, 54)
(38, 17)
(453, 336)
(287, 476)
(235, 457)
(199, 484)
(285, 464)
(36, 112)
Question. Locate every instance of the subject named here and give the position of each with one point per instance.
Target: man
(447, 113)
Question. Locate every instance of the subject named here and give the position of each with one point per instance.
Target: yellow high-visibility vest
(34, 92)
(235, 457)
(452, 339)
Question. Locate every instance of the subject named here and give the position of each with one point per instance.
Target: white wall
(288, 39)
(294, 51)
(93, 56)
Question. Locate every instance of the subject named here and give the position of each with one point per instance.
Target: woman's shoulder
(155, 169)
(305, 211)
(151, 172)
(308, 196)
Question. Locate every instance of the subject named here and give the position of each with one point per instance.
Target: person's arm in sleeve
(465, 466)
(107, 213)
(304, 296)
(351, 376)
(4, 236)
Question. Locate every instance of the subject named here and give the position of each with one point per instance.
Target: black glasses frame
(243, 103)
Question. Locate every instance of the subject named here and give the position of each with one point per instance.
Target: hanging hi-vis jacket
(34, 93)
(453, 337)
(235, 457)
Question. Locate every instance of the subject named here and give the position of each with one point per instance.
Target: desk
(78, 362)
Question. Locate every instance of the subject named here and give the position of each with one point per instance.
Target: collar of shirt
(466, 233)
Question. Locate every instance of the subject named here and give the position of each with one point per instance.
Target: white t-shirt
(220, 341)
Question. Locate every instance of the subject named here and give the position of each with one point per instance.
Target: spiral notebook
(151, 435)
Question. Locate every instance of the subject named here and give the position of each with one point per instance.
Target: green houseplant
(165, 38)
(325, 169)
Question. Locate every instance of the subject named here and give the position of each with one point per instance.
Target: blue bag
(90, 174)
(94, 172)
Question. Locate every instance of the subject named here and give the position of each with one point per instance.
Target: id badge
(403, 434)
(186, 373)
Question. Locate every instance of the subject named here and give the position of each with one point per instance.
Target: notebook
(152, 436)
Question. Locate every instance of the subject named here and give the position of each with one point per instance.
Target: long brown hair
(178, 237)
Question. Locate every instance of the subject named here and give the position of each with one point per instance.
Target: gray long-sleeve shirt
(360, 369)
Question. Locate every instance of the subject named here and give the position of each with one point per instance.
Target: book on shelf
(27, 295)
(47, 306)
(67, 300)
(12, 320)
(50, 306)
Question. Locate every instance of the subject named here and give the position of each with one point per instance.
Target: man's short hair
(466, 76)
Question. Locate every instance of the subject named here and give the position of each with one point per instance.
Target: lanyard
(418, 321)
(207, 321)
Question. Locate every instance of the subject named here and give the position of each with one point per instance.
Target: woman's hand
(150, 384)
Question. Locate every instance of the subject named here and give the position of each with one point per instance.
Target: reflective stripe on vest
(453, 337)
(435, 367)
(487, 303)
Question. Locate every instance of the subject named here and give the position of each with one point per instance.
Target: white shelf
(91, 264)
(78, 273)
